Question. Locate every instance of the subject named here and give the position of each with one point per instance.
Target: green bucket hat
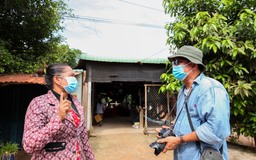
(191, 53)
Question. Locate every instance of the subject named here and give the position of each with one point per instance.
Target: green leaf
(205, 27)
(214, 48)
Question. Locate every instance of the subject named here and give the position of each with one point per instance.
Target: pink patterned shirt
(42, 125)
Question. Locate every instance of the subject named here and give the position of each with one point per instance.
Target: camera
(164, 132)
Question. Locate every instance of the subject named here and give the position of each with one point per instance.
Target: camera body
(164, 132)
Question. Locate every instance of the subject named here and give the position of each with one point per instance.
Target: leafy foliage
(225, 30)
(8, 148)
(64, 54)
(30, 35)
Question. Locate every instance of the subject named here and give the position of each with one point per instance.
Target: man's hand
(64, 107)
(159, 129)
(171, 143)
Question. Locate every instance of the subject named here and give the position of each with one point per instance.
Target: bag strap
(198, 144)
(190, 122)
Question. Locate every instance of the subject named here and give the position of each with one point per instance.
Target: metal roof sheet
(21, 78)
(27, 78)
(124, 59)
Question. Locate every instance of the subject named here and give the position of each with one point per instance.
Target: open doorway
(122, 102)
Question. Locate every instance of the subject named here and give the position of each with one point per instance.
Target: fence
(157, 108)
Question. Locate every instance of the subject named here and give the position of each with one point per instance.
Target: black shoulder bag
(208, 153)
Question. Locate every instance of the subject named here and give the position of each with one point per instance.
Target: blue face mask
(72, 85)
(178, 72)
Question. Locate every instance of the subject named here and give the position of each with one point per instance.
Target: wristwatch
(182, 140)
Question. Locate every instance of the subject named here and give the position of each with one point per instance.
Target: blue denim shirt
(209, 109)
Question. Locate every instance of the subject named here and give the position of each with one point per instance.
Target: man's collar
(198, 79)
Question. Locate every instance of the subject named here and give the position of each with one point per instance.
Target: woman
(54, 122)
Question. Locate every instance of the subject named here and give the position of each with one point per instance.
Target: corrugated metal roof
(21, 78)
(27, 78)
(150, 60)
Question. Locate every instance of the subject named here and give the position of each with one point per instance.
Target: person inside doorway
(162, 114)
(100, 111)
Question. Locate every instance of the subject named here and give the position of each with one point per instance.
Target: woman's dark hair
(99, 101)
(51, 71)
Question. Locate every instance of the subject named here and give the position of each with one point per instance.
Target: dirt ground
(117, 140)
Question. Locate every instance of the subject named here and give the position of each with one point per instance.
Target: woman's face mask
(178, 72)
(72, 85)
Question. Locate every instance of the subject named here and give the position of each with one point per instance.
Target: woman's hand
(64, 107)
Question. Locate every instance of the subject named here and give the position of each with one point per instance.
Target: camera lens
(158, 147)
(164, 132)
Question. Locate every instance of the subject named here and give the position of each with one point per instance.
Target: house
(16, 93)
(123, 83)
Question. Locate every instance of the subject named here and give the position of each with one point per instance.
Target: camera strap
(189, 92)
(186, 105)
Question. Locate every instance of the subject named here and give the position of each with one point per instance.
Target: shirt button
(74, 152)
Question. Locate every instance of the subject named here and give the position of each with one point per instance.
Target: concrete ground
(116, 140)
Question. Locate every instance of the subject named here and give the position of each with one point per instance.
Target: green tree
(30, 34)
(225, 30)
(65, 55)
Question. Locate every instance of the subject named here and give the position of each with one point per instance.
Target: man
(208, 105)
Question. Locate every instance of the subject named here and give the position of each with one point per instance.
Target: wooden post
(141, 117)
(146, 106)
